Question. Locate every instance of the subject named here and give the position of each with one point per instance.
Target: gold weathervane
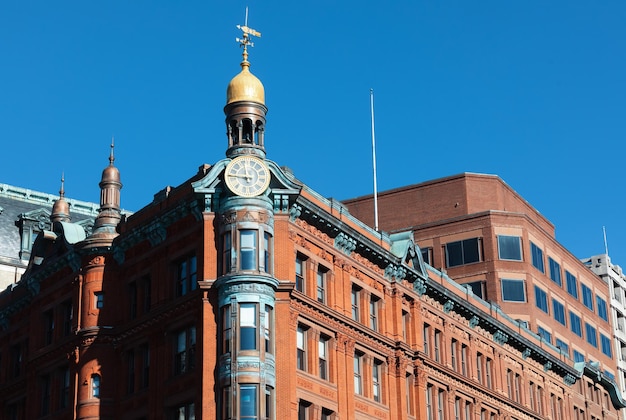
(245, 40)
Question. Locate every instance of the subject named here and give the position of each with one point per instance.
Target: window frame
(541, 299)
(572, 284)
(466, 254)
(186, 275)
(558, 312)
(555, 271)
(587, 295)
(502, 245)
(510, 282)
(537, 257)
(575, 323)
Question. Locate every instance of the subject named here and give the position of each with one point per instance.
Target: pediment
(403, 246)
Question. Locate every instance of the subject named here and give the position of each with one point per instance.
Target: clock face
(247, 176)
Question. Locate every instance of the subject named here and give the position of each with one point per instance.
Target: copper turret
(61, 208)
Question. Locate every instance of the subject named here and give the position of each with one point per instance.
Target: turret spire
(61, 208)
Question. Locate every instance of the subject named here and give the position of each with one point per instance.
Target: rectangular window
(146, 284)
(185, 350)
(513, 290)
(187, 280)
(575, 325)
(248, 326)
(355, 296)
(184, 412)
(602, 312)
(68, 316)
(464, 351)
(95, 386)
(572, 284)
(437, 346)
(267, 251)
(591, 335)
(304, 410)
(301, 347)
(559, 311)
(45, 395)
(99, 300)
(267, 328)
(563, 346)
(300, 272)
(248, 406)
(145, 365)
(248, 249)
(374, 301)
(48, 326)
(463, 252)
(479, 368)
(132, 300)
(377, 380)
(555, 271)
(544, 334)
(358, 380)
(227, 249)
(427, 255)
(130, 370)
(587, 296)
(537, 257)
(426, 337)
(541, 299)
(509, 248)
(322, 354)
(453, 356)
(605, 343)
(226, 329)
(321, 284)
(488, 372)
(477, 287)
(64, 382)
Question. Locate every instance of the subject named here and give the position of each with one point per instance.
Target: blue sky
(531, 91)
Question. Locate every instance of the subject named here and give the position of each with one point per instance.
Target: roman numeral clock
(247, 176)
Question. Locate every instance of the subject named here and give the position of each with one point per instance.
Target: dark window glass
(513, 290)
(248, 326)
(478, 288)
(248, 249)
(572, 284)
(537, 257)
(587, 296)
(544, 334)
(462, 252)
(509, 248)
(575, 325)
(555, 271)
(592, 337)
(248, 401)
(559, 311)
(606, 345)
(602, 312)
(541, 299)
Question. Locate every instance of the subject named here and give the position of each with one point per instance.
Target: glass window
(227, 249)
(321, 284)
(374, 312)
(95, 386)
(267, 251)
(602, 312)
(322, 354)
(575, 325)
(578, 356)
(537, 257)
(463, 252)
(544, 334)
(572, 284)
(606, 345)
(99, 299)
(358, 388)
(248, 324)
(248, 248)
(300, 272)
(267, 328)
(541, 299)
(513, 290)
(185, 350)
(355, 296)
(559, 311)
(427, 255)
(248, 406)
(301, 346)
(587, 296)
(509, 248)
(591, 335)
(563, 346)
(376, 380)
(226, 329)
(187, 279)
(555, 271)
(478, 288)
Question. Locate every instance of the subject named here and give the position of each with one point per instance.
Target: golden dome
(245, 87)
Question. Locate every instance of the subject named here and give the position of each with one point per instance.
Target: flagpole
(374, 161)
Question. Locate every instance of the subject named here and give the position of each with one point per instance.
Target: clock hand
(245, 167)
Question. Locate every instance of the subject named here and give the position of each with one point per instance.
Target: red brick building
(243, 294)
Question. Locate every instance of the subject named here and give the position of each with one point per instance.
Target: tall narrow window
(355, 296)
(95, 386)
(572, 284)
(267, 252)
(248, 326)
(575, 324)
(602, 311)
(68, 315)
(453, 355)
(555, 271)
(323, 356)
(374, 312)
(300, 272)
(441, 402)
(376, 380)
(559, 311)
(187, 277)
(427, 339)
(537, 257)
(358, 380)
(321, 284)
(130, 368)
(592, 337)
(488, 372)
(587, 296)
(437, 346)
(145, 365)
(45, 395)
(227, 332)
(227, 247)
(269, 402)
(429, 401)
(267, 328)
(185, 350)
(64, 382)
(479, 368)
(48, 321)
(301, 347)
(464, 352)
(132, 300)
(146, 284)
(99, 300)
(248, 406)
(541, 299)
(247, 251)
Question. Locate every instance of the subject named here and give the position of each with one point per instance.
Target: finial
(112, 156)
(62, 190)
(245, 40)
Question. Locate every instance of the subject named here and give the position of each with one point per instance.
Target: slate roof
(15, 201)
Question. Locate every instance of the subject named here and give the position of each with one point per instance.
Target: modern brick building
(243, 294)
